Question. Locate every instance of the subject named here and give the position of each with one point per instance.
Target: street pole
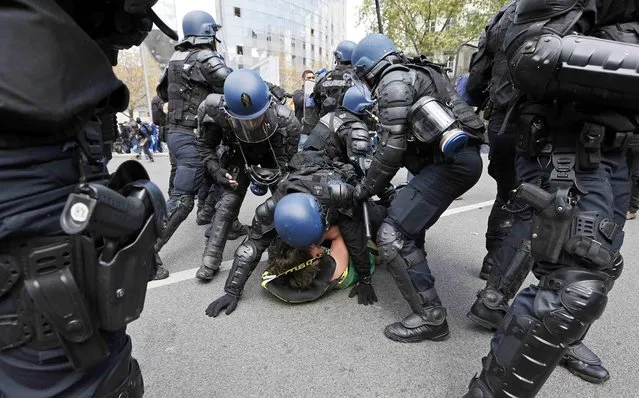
(379, 17)
(146, 79)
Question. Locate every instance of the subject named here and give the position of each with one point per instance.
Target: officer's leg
(188, 177)
(173, 171)
(633, 157)
(512, 259)
(501, 168)
(416, 208)
(204, 214)
(579, 359)
(571, 294)
(227, 210)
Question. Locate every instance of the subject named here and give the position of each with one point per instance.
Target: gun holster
(65, 289)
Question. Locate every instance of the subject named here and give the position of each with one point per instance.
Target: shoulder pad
(535, 10)
(395, 68)
(213, 105)
(204, 55)
(179, 56)
(346, 117)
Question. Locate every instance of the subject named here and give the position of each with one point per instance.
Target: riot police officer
(63, 266)
(426, 127)
(508, 261)
(344, 134)
(489, 88)
(330, 188)
(249, 137)
(573, 125)
(195, 70)
(331, 86)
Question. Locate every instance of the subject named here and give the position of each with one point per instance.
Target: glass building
(302, 34)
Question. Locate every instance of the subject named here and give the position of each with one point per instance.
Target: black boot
(161, 272)
(477, 389)
(204, 216)
(489, 309)
(492, 302)
(583, 363)
(429, 324)
(237, 229)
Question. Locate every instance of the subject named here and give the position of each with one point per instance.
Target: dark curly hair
(286, 257)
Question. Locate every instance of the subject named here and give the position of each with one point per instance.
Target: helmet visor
(255, 130)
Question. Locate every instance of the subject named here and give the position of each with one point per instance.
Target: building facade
(301, 34)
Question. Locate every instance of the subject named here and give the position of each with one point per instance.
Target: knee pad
(187, 202)
(246, 252)
(389, 243)
(266, 211)
(615, 271)
(263, 220)
(570, 300)
(181, 206)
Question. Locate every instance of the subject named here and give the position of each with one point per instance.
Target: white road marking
(187, 274)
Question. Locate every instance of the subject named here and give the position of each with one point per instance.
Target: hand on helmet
(228, 302)
(225, 179)
(364, 291)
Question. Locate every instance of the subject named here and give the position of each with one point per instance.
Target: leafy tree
(129, 70)
(430, 26)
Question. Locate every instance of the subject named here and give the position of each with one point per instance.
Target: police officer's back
(330, 88)
(194, 71)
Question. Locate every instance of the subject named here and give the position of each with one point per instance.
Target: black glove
(278, 93)
(228, 301)
(361, 193)
(220, 177)
(364, 291)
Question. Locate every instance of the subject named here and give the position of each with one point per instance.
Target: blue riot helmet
(343, 52)
(253, 117)
(299, 221)
(199, 27)
(372, 55)
(246, 99)
(433, 122)
(357, 100)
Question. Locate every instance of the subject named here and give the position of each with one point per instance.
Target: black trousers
(36, 182)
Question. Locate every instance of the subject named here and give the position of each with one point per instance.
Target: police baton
(367, 222)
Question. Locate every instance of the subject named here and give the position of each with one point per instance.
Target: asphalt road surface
(334, 347)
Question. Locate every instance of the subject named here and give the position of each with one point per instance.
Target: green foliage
(430, 26)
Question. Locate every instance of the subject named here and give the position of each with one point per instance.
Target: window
(292, 42)
(293, 58)
(268, 38)
(237, 11)
(239, 50)
(312, 32)
(320, 51)
(313, 47)
(304, 46)
(304, 60)
(254, 34)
